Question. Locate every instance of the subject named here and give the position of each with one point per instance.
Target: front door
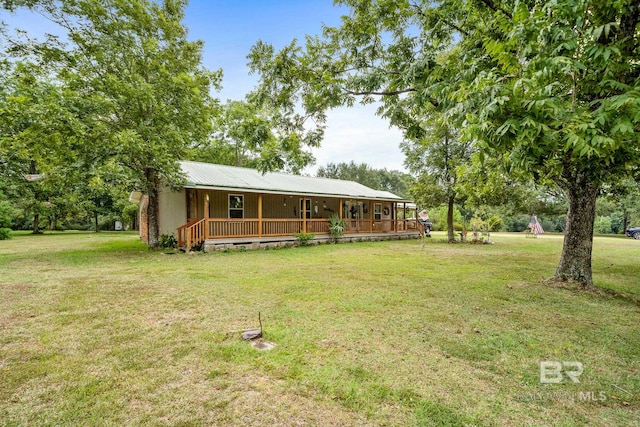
(192, 205)
(305, 208)
(352, 213)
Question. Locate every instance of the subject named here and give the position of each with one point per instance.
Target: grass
(96, 329)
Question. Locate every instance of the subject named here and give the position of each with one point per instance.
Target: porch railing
(192, 234)
(281, 227)
(197, 231)
(231, 227)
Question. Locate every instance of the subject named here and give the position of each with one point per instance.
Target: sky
(230, 27)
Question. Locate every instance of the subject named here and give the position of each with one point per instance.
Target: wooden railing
(409, 225)
(191, 234)
(197, 231)
(318, 226)
(231, 228)
(281, 227)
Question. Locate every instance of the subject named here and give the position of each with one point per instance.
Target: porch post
(340, 209)
(206, 216)
(303, 212)
(371, 217)
(260, 215)
(404, 215)
(395, 216)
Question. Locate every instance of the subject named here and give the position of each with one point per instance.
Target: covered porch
(226, 217)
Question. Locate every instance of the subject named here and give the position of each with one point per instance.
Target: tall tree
(35, 126)
(439, 154)
(553, 85)
(132, 61)
(240, 132)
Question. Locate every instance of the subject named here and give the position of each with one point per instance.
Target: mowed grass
(97, 330)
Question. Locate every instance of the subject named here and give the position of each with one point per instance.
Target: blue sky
(229, 29)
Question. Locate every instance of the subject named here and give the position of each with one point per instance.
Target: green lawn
(96, 329)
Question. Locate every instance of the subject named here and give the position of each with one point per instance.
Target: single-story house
(224, 202)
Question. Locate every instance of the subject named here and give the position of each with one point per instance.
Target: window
(236, 206)
(377, 211)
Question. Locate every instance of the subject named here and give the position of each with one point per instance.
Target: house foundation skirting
(255, 243)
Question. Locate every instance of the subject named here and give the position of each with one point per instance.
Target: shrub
(7, 212)
(304, 239)
(336, 227)
(518, 223)
(167, 241)
(5, 233)
(602, 225)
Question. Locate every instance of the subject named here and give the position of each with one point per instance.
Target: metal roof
(221, 177)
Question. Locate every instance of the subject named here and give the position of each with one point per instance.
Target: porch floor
(246, 243)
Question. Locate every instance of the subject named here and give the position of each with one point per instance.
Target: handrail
(192, 234)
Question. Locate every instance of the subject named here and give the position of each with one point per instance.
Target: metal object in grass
(252, 334)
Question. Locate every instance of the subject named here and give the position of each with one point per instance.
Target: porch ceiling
(229, 178)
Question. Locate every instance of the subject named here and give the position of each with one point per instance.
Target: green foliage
(602, 225)
(336, 227)
(7, 211)
(393, 181)
(620, 202)
(439, 154)
(132, 91)
(241, 133)
(5, 233)
(168, 241)
(438, 216)
(551, 88)
(114, 108)
(304, 239)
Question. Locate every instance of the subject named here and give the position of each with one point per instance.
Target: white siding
(173, 211)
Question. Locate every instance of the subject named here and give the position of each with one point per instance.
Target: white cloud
(358, 134)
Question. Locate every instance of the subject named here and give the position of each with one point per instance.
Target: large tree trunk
(575, 262)
(36, 224)
(152, 208)
(450, 231)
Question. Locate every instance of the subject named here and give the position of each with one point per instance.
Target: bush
(602, 225)
(5, 233)
(517, 223)
(494, 223)
(7, 212)
(304, 239)
(336, 227)
(168, 241)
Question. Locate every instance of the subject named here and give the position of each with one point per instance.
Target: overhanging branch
(443, 19)
(380, 93)
(496, 8)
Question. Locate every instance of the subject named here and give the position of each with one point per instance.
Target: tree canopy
(134, 91)
(551, 86)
